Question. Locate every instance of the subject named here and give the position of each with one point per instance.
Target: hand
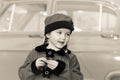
(52, 64)
(40, 62)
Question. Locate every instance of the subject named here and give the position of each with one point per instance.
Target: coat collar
(43, 48)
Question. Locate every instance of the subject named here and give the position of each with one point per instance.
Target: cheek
(54, 38)
(67, 39)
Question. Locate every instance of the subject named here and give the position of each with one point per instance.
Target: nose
(63, 36)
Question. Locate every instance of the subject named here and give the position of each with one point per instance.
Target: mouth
(61, 42)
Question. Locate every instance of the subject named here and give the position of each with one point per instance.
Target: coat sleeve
(75, 69)
(25, 71)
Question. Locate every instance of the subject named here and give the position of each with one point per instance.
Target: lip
(61, 42)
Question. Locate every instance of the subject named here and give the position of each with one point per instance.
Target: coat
(68, 69)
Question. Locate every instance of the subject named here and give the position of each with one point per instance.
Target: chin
(60, 47)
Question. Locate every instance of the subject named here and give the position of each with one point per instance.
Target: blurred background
(95, 41)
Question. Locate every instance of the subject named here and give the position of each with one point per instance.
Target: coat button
(49, 52)
(46, 72)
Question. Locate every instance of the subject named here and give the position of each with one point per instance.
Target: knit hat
(57, 21)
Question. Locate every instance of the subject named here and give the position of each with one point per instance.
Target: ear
(48, 35)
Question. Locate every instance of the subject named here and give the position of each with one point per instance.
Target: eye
(59, 32)
(68, 34)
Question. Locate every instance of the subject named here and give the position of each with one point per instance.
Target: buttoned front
(70, 72)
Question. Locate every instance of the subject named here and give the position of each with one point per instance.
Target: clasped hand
(41, 62)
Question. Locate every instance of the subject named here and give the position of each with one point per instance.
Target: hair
(46, 41)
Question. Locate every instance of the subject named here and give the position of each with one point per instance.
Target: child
(52, 60)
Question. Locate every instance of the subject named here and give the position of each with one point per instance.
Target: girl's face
(58, 38)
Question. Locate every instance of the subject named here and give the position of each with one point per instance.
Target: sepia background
(95, 41)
